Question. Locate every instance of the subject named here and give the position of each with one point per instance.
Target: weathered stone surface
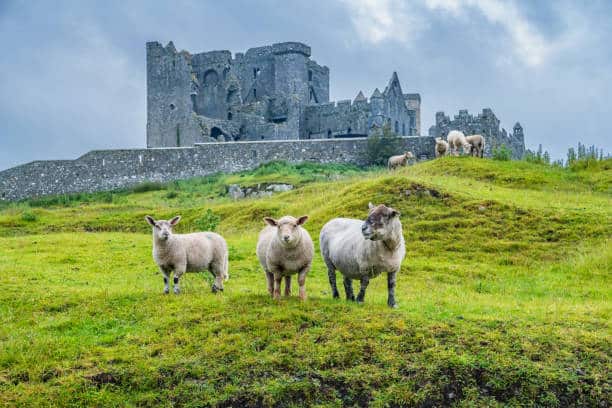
(273, 92)
(112, 169)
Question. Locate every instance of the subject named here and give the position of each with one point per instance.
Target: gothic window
(211, 78)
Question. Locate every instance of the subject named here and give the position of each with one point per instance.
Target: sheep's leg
(270, 279)
(391, 287)
(302, 282)
(331, 273)
(365, 281)
(178, 272)
(288, 285)
(277, 284)
(348, 289)
(166, 280)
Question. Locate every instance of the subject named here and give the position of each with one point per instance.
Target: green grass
(504, 295)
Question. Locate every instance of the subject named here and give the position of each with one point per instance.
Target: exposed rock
(260, 190)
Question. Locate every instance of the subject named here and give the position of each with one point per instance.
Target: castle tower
(377, 102)
(291, 70)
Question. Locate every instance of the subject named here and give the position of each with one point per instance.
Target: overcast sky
(73, 79)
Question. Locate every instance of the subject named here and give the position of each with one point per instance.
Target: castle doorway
(217, 134)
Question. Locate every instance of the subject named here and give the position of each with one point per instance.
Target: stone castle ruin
(273, 92)
(211, 112)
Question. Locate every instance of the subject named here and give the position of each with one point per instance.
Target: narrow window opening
(310, 75)
(256, 72)
(229, 115)
(329, 133)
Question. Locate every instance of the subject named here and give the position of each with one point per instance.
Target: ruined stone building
(273, 92)
(486, 124)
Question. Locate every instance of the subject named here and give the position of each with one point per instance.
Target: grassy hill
(504, 295)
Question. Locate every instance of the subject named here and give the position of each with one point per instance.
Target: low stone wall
(102, 170)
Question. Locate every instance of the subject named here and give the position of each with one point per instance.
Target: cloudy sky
(72, 74)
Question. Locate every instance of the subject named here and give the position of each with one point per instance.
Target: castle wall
(336, 119)
(318, 82)
(112, 169)
(170, 120)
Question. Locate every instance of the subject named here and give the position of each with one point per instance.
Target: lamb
(456, 139)
(363, 250)
(399, 160)
(285, 248)
(441, 147)
(180, 253)
(477, 145)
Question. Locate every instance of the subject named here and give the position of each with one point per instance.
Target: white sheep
(399, 160)
(363, 250)
(180, 253)
(477, 145)
(441, 147)
(285, 248)
(456, 139)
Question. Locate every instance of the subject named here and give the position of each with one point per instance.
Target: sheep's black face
(378, 224)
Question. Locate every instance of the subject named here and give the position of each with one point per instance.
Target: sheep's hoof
(336, 295)
(177, 291)
(393, 305)
(166, 291)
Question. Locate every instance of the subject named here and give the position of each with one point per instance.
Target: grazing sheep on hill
(441, 147)
(180, 253)
(285, 248)
(456, 139)
(363, 250)
(399, 161)
(477, 145)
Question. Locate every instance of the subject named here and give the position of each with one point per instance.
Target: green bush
(502, 153)
(207, 222)
(171, 194)
(148, 186)
(382, 145)
(28, 216)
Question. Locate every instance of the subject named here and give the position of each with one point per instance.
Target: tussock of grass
(504, 296)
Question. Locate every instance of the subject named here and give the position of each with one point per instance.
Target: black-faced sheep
(285, 248)
(180, 253)
(363, 250)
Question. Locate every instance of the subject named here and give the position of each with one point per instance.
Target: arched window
(329, 133)
(229, 115)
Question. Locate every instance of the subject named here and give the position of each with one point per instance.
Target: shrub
(28, 216)
(207, 222)
(502, 153)
(382, 145)
(171, 194)
(148, 186)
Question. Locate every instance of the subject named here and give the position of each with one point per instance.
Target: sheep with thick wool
(441, 147)
(399, 160)
(477, 145)
(180, 253)
(285, 248)
(362, 250)
(456, 139)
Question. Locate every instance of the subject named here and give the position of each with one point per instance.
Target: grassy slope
(504, 297)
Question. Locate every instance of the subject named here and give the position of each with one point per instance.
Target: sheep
(400, 160)
(180, 253)
(477, 145)
(363, 250)
(456, 139)
(283, 249)
(441, 147)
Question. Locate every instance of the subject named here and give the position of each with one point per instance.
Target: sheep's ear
(175, 220)
(371, 206)
(150, 220)
(270, 221)
(302, 220)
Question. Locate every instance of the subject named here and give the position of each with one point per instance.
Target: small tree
(502, 153)
(571, 156)
(381, 145)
